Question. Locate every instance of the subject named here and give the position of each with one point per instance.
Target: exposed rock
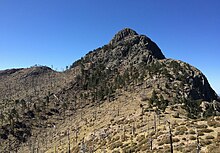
(123, 34)
(205, 105)
(216, 106)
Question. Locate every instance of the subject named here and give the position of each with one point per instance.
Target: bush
(176, 115)
(209, 137)
(144, 147)
(181, 130)
(217, 118)
(164, 140)
(184, 139)
(125, 145)
(116, 138)
(206, 130)
(200, 133)
(192, 138)
(191, 131)
(176, 140)
(213, 123)
(124, 137)
(117, 144)
(205, 142)
(140, 138)
(201, 126)
(213, 148)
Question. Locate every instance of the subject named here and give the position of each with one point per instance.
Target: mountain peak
(123, 34)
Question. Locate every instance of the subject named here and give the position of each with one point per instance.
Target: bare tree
(133, 129)
(151, 142)
(171, 139)
(155, 123)
(68, 134)
(198, 149)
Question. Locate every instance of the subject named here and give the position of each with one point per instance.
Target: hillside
(123, 95)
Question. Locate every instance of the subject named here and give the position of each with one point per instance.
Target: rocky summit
(121, 97)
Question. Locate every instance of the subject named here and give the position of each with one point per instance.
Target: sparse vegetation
(118, 98)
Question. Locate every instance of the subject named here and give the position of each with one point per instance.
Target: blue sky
(58, 32)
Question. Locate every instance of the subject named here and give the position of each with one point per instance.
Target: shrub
(206, 130)
(201, 126)
(152, 133)
(213, 148)
(191, 131)
(144, 147)
(116, 151)
(181, 130)
(116, 145)
(205, 142)
(192, 138)
(213, 123)
(209, 137)
(164, 140)
(218, 137)
(124, 137)
(176, 140)
(125, 145)
(200, 133)
(160, 143)
(144, 141)
(217, 118)
(116, 138)
(140, 138)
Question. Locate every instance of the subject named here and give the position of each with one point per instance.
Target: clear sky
(58, 32)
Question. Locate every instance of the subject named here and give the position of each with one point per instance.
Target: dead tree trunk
(171, 139)
(124, 133)
(155, 123)
(133, 129)
(198, 149)
(68, 133)
(151, 143)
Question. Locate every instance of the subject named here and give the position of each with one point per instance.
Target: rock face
(122, 35)
(133, 58)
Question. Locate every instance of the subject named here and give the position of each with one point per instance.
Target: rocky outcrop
(129, 51)
(123, 35)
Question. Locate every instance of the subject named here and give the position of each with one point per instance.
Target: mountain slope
(129, 59)
(39, 100)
